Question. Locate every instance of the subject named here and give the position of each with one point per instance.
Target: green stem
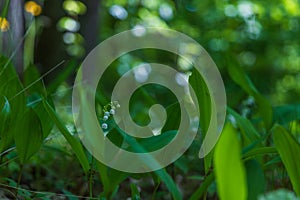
(19, 180)
(201, 191)
(154, 191)
(91, 178)
(29, 45)
(205, 195)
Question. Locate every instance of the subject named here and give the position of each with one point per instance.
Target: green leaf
(203, 97)
(229, 169)
(102, 169)
(255, 179)
(245, 126)
(74, 143)
(135, 194)
(289, 151)
(173, 117)
(203, 188)
(183, 164)
(259, 151)
(170, 184)
(35, 102)
(116, 177)
(5, 119)
(110, 178)
(70, 195)
(32, 80)
(162, 174)
(5, 8)
(286, 113)
(28, 135)
(273, 161)
(12, 102)
(240, 77)
(204, 101)
(29, 43)
(155, 142)
(5, 108)
(256, 144)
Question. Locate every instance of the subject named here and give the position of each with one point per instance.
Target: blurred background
(260, 37)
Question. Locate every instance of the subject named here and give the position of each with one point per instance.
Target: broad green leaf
(35, 102)
(289, 151)
(204, 101)
(255, 179)
(10, 88)
(102, 169)
(240, 77)
(5, 112)
(229, 169)
(74, 143)
(33, 81)
(5, 118)
(28, 135)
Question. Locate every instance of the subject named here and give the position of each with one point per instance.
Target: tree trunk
(13, 40)
(90, 24)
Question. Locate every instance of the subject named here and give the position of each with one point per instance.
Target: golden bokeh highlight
(33, 8)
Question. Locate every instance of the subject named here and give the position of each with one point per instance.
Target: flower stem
(19, 180)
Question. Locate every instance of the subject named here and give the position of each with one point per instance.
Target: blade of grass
(259, 151)
(75, 144)
(238, 75)
(205, 106)
(163, 175)
(289, 151)
(203, 188)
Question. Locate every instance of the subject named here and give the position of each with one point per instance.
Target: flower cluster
(108, 110)
(4, 24)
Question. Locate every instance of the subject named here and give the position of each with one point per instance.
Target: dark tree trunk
(90, 24)
(13, 42)
(51, 49)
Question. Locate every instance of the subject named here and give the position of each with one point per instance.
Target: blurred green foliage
(256, 47)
